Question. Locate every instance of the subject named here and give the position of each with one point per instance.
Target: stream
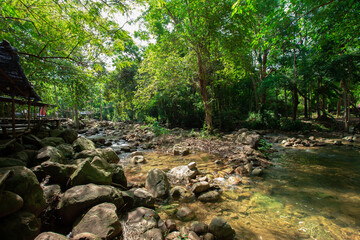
(310, 193)
(306, 194)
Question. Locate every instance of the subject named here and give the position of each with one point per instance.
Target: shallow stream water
(306, 194)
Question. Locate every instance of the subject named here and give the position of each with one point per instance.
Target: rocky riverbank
(58, 185)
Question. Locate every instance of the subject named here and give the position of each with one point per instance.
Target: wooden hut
(15, 88)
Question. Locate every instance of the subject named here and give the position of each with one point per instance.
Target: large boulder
(69, 135)
(249, 138)
(9, 203)
(182, 173)
(66, 150)
(108, 154)
(79, 198)
(90, 173)
(81, 144)
(51, 193)
(20, 225)
(50, 153)
(25, 184)
(52, 141)
(157, 183)
(59, 173)
(100, 220)
(221, 229)
(86, 236)
(50, 236)
(10, 162)
(143, 198)
(118, 175)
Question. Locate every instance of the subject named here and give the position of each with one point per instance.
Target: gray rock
(180, 193)
(211, 196)
(200, 187)
(170, 224)
(20, 225)
(249, 138)
(50, 153)
(209, 236)
(193, 236)
(192, 165)
(50, 236)
(154, 233)
(66, 150)
(51, 192)
(137, 153)
(173, 235)
(81, 144)
(88, 172)
(181, 150)
(143, 198)
(52, 141)
(141, 220)
(9, 203)
(138, 159)
(59, 173)
(118, 175)
(11, 162)
(157, 183)
(69, 135)
(100, 220)
(185, 214)
(257, 172)
(79, 198)
(199, 228)
(221, 229)
(183, 173)
(86, 236)
(25, 184)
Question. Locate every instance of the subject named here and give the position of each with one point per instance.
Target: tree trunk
(305, 108)
(318, 98)
(286, 104)
(255, 93)
(203, 80)
(101, 108)
(346, 106)
(295, 98)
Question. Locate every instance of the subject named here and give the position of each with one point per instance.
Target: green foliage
(264, 147)
(264, 120)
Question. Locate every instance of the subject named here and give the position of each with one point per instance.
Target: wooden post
(13, 114)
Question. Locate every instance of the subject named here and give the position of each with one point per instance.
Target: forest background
(208, 64)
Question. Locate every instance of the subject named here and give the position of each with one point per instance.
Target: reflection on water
(307, 194)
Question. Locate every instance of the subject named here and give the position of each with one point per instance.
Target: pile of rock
(62, 184)
(297, 142)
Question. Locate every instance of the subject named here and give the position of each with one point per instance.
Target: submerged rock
(221, 229)
(185, 214)
(211, 196)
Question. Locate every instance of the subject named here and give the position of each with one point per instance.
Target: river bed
(306, 194)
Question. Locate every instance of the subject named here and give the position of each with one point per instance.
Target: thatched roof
(12, 76)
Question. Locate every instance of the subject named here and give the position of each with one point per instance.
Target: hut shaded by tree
(13, 81)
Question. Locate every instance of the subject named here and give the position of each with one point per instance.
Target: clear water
(306, 194)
